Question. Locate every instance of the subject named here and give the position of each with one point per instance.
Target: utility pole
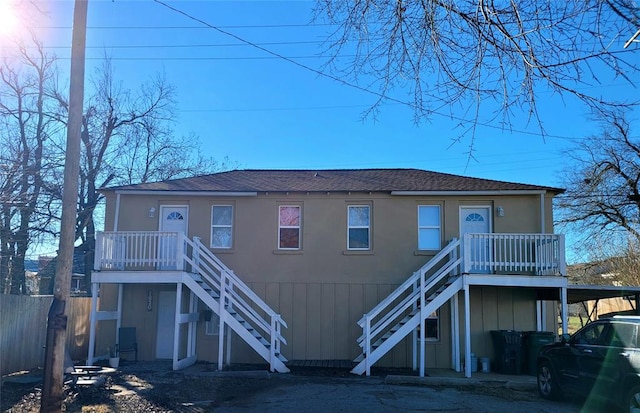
(52, 390)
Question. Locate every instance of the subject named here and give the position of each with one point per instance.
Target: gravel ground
(154, 387)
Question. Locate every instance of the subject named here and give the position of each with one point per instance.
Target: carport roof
(579, 293)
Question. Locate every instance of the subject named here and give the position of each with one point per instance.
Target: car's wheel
(547, 382)
(631, 402)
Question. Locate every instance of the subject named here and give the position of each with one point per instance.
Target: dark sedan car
(602, 359)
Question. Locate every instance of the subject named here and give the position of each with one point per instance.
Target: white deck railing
(537, 254)
(139, 250)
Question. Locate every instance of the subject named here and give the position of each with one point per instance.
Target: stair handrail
(235, 285)
(453, 244)
(414, 297)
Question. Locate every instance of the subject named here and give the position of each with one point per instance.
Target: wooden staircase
(236, 304)
(407, 308)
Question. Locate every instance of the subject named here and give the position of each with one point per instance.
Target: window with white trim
(221, 226)
(289, 224)
(429, 228)
(359, 227)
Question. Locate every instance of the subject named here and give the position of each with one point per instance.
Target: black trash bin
(533, 342)
(507, 348)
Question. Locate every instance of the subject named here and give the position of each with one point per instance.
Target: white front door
(166, 323)
(477, 220)
(172, 219)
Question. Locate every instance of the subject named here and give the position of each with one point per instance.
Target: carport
(585, 293)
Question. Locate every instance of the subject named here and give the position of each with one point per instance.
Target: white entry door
(172, 219)
(166, 323)
(477, 220)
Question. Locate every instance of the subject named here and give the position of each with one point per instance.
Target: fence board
(23, 330)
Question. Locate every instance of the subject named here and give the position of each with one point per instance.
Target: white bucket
(484, 361)
(474, 363)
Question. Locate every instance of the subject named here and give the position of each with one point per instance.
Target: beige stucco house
(363, 265)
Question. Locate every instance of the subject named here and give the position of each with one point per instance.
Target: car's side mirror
(565, 338)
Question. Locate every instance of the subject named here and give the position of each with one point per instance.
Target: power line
(379, 95)
(242, 26)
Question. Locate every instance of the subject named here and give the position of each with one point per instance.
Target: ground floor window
(432, 327)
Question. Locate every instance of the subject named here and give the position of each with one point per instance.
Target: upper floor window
(221, 226)
(359, 227)
(289, 223)
(429, 231)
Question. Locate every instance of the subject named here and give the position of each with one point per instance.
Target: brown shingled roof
(369, 180)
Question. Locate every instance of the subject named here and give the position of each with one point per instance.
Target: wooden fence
(23, 330)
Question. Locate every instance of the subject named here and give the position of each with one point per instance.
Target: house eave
(466, 193)
(187, 193)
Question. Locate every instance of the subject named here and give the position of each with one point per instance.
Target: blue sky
(267, 112)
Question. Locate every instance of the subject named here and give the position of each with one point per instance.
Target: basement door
(166, 323)
(477, 220)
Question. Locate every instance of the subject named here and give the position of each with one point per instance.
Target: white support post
(92, 324)
(191, 335)
(538, 315)
(228, 331)
(421, 339)
(367, 345)
(565, 309)
(467, 333)
(455, 333)
(272, 344)
(222, 318)
(414, 337)
(176, 326)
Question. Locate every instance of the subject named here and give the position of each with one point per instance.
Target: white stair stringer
(395, 316)
(239, 326)
(236, 304)
(405, 327)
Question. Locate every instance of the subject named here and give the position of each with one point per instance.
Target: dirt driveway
(153, 387)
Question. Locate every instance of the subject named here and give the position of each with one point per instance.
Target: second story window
(429, 227)
(289, 220)
(359, 227)
(221, 226)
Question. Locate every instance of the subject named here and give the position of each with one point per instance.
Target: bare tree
(127, 137)
(25, 128)
(483, 52)
(601, 204)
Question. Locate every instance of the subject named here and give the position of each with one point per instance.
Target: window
(289, 227)
(432, 327)
(221, 226)
(590, 335)
(429, 227)
(359, 227)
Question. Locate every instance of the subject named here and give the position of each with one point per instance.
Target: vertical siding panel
(344, 323)
(356, 310)
(286, 311)
(489, 310)
(299, 322)
(314, 314)
(504, 300)
(328, 322)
